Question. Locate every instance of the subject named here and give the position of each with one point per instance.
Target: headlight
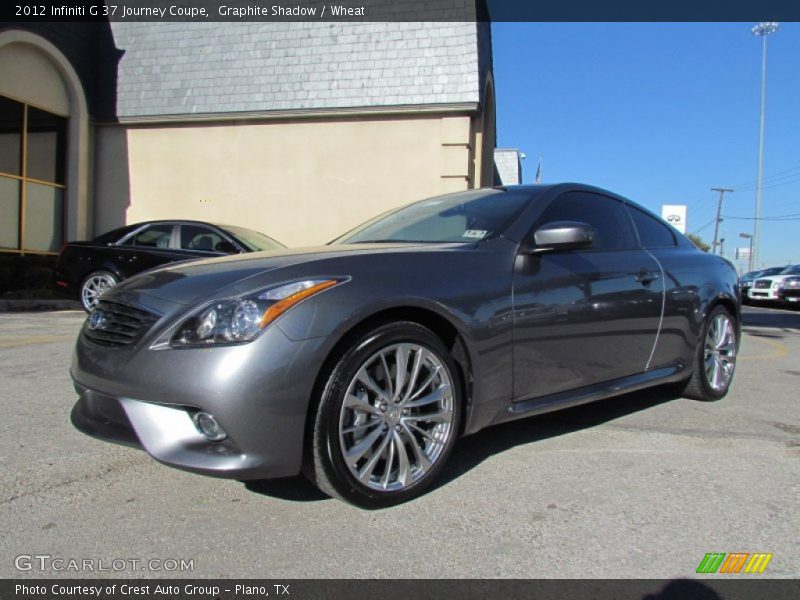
(240, 319)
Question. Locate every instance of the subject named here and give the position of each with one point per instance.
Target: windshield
(770, 271)
(462, 217)
(254, 240)
(791, 270)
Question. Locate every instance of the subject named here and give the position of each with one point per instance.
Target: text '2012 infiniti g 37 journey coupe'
(361, 362)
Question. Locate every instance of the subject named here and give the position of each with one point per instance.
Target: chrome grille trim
(762, 284)
(124, 324)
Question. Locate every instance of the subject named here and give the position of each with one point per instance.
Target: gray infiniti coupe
(361, 362)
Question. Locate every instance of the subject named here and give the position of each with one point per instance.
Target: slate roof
(207, 68)
(509, 166)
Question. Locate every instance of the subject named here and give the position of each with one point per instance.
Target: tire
(715, 358)
(380, 439)
(94, 285)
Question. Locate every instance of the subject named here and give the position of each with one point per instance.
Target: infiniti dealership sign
(675, 215)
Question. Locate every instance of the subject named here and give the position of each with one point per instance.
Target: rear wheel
(715, 359)
(95, 285)
(388, 417)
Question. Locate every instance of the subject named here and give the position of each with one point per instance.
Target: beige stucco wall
(302, 181)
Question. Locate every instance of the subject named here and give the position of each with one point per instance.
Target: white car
(790, 291)
(768, 289)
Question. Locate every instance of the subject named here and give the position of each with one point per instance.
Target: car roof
(179, 221)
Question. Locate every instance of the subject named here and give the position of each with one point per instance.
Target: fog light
(208, 426)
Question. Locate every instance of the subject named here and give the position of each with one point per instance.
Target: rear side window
(114, 235)
(607, 217)
(155, 236)
(652, 232)
(196, 237)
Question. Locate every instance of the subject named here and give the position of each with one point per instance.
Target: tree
(698, 241)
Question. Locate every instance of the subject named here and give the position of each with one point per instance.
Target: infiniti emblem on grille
(97, 320)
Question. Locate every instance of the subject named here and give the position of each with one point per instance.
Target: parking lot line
(778, 350)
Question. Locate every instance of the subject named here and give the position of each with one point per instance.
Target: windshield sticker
(476, 234)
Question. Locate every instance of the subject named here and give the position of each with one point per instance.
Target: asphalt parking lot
(639, 486)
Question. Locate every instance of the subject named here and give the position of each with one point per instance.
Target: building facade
(300, 130)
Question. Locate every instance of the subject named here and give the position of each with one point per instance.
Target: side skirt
(608, 389)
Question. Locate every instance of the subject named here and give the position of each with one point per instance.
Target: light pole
(747, 236)
(762, 30)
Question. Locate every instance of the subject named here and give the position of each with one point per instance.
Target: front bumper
(791, 295)
(763, 294)
(258, 392)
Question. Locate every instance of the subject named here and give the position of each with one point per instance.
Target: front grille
(762, 284)
(122, 324)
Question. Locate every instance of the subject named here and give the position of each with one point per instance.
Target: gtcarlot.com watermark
(58, 564)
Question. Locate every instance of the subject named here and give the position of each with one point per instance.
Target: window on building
(32, 178)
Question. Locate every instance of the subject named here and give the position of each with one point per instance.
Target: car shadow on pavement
(472, 450)
(785, 320)
(297, 489)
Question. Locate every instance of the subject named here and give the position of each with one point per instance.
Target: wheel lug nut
(405, 411)
(397, 428)
(383, 407)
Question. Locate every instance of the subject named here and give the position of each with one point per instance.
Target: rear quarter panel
(695, 282)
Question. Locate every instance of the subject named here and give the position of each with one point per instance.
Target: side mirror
(226, 247)
(562, 235)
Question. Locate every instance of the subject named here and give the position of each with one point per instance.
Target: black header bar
(397, 10)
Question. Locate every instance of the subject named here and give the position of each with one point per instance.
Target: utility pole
(761, 30)
(719, 218)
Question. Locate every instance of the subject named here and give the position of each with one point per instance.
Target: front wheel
(715, 358)
(388, 417)
(95, 285)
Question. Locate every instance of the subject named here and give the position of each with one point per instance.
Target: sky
(660, 113)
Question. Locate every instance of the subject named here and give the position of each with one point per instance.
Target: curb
(34, 304)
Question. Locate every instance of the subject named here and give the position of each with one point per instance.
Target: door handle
(645, 277)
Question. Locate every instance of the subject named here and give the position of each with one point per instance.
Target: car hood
(774, 278)
(188, 283)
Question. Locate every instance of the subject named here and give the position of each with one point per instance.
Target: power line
(706, 226)
(774, 183)
(779, 175)
(789, 217)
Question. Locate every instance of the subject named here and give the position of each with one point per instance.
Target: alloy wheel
(397, 417)
(720, 352)
(95, 286)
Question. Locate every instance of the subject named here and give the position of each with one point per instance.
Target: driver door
(587, 316)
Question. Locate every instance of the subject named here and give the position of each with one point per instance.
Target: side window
(196, 237)
(652, 232)
(607, 216)
(155, 236)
